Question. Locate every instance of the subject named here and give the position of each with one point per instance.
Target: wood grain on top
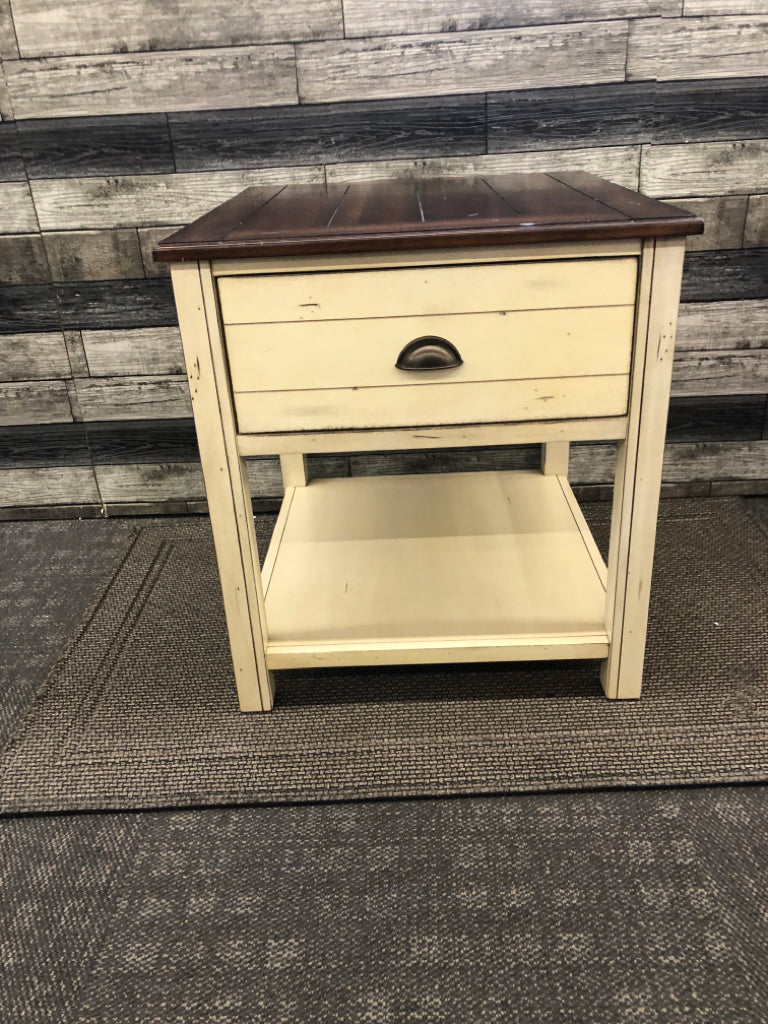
(435, 213)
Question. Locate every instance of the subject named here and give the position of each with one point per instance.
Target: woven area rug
(140, 710)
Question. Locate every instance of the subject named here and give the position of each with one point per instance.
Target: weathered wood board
(430, 65)
(154, 350)
(40, 401)
(18, 211)
(53, 485)
(726, 274)
(724, 218)
(330, 132)
(134, 398)
(721, 373)
(756, 225)
(727, 460)
(148, 239)
(25, 357)
(93, 255)
(8, 45)
(705, 168)
(11, 164)
(687, 48)
(618, 163)
(146, 82)
(103, 305)
(704, 326)
(404, 17)
(76, 147)
(22, 259)
(148, 199)
(48, 27)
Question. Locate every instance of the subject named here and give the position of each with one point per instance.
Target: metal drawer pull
(428, 353)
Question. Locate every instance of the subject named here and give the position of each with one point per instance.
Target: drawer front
(541, 363)
(420, 291)
(493, 346)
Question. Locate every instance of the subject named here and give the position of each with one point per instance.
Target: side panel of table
(639, 467)
(226, 486)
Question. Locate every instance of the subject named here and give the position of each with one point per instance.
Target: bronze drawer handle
(429, 353)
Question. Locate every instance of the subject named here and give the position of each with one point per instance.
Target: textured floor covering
(50, 573)
(140, 713)
(601, 908)
(589, 908)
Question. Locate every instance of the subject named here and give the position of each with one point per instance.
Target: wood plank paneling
(703, 111)
(590, 463)
(18, 211)
(22, 259)
(136, 441)
(685, 462)
(8, 46)
(47, 27)
(617, 163)
(164, 481)
(6, 107)
(179, 481)
(723, 217)
(733, 274)
(43, 401)
(106, 305)
(329, 132)
(718, 326)
(154, 350)
(687, 48)
(134, 398)
(705, 168)
(445, 460)
(721, 373)
(694, 8)
(148, 199)
(148, 239)
(404, 17)
(93, 255)
(43, 445)
(756, 226)
(584, 116)
(713, 460)
(628, 112)
(28, 308)
(430, 65)
(90, 146)
(149, 82)
(55, 485)
(716, 418)
(33, 357)
(11, 164)
(77, 361)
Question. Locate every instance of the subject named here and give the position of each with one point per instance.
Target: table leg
(554, 458)
(639, 468)
(226, 483)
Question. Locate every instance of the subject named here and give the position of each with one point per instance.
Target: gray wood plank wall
(120, 122)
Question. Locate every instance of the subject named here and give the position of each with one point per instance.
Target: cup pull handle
(429, 353)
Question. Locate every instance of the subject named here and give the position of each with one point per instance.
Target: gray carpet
(50, 574)
(594, 908)
(140, 712)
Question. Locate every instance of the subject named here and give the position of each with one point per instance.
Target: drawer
(341, 374)
(420, 291)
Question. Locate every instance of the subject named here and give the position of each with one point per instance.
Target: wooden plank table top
(391, 215)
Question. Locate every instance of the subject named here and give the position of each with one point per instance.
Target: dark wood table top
(427, 214)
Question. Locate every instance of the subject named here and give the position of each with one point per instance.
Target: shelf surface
(422, 568)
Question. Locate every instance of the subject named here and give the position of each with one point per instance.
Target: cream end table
(518, 309)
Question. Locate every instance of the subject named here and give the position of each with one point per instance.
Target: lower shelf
(441, 567)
